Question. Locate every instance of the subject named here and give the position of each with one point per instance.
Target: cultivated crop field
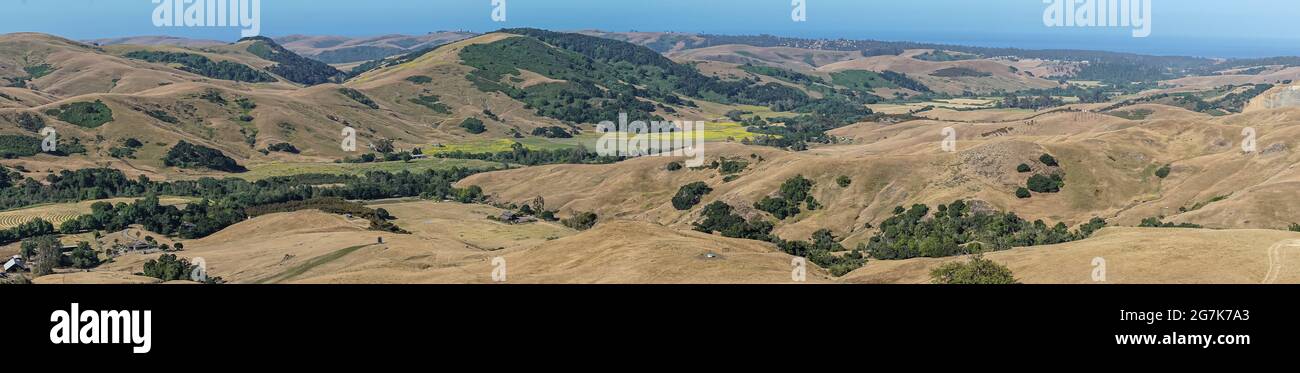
(60, 212)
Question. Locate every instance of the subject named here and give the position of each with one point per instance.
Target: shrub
(821, 252)
(778, 207)
(730, 166)
(186, 155)
(843, 181)
(582, 221)
(1048, 160)
(718, 217)
(793, 192)
(552, 132)
(473, 125)
(246, 104)
(357, 96)
(84, 257)
(121, 152)
(432, 102)
(978, 271)
(15, 280)
(383, 146)
(198, 64)
(1046, 184)
(824, 239)
(1163, 172)
(689, 195)
(14, 146)
(168, 268)
(1023, 193)
(796, 188)
(283, 147)
(84, 114)
(1023, 168)
(471, 194)
(34, 228)
(1155, 222)
(213, 96)
(674, 166)
(950, 230)
(291, 66)
(419, 79)
(959, 72)
(1091, 227)
(162, 116)
(30, 122)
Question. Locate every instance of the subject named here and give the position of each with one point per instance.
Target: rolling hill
(169, 93)
(863, 124)
(343, 50)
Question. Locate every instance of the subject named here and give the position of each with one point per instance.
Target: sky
(1209, 28)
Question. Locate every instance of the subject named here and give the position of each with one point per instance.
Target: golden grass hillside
(331, 48)
(645, 253)
(1000, 74)
(310, 118)
(455, 243)
(1131, 256)
(790, 58)
(1110, 165)
(1110, 162)
(94, 278)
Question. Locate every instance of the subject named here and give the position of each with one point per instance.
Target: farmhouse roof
(15, 263)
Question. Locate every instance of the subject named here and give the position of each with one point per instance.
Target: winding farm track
(1275, 259)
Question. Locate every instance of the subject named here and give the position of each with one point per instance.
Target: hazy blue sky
(1227, 28)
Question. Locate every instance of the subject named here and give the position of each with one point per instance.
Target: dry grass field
(1131, 256)
(455, 243)
(1109, 160)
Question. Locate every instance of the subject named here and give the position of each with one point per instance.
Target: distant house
(15, 264)
(511, 217)
(133, 246)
